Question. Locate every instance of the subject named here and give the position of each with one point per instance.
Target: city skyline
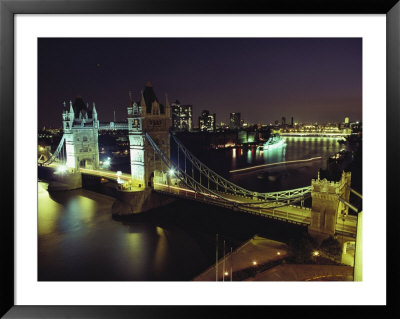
(264, 79)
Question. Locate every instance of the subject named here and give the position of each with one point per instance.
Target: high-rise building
(345, 124)
(181, 116)
(207, 121)
(234, 121)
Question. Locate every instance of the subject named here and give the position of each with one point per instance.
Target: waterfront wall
(129, 203)
(58, 181)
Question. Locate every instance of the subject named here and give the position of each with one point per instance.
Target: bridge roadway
(290, 213)
(96, 172)
(110, 175)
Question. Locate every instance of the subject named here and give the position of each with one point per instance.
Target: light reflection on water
(48, 211)
(296, 148)
(78, 239)
(275, 178)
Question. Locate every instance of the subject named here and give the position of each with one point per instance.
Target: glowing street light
(62, 169)
(107, 163)
(254, 263)
(119, 180)
(315, 253)
(171, 172)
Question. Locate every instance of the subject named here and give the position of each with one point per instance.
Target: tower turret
(94, 116)
(71, 111)
(142, 103)
(155, 108)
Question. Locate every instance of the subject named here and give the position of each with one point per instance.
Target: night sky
(311, 79)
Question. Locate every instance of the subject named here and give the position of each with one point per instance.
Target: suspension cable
(228, 185)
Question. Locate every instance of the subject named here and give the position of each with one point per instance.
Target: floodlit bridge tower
(81, 129)
(147, 116)
(329, 204)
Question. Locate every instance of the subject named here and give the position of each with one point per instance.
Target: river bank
(262, 259)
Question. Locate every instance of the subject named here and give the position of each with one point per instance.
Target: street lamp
(107, 163)
(62, 169)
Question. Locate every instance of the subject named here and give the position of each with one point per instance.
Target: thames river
(78, 240)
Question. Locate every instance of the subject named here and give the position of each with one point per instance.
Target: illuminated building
(181, 117)
(81, 130)
(234, 121)
(207, 122)
(328, 129)
(147, 116)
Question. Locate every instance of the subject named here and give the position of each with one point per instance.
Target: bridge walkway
(292, 214)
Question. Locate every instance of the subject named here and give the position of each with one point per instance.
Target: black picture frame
(8, 10)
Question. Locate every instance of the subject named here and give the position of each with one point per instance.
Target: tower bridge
(154, 174)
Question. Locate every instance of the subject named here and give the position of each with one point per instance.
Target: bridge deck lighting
(315, 253)
(171, 172)
(226, 273)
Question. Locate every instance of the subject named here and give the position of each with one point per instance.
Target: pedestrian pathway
(253, 253)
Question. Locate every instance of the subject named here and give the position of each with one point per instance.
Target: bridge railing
(246, 199)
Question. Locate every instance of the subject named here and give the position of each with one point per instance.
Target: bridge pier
(60, 181)
(129, 203)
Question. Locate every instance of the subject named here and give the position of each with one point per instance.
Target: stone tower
(327, 209)
(81, 130)
(147, 116)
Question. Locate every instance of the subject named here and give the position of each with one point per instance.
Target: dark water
(79, 240)
(276, 177)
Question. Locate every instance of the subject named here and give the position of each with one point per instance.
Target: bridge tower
(147, 116)
(327, 206)
(81, 130)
